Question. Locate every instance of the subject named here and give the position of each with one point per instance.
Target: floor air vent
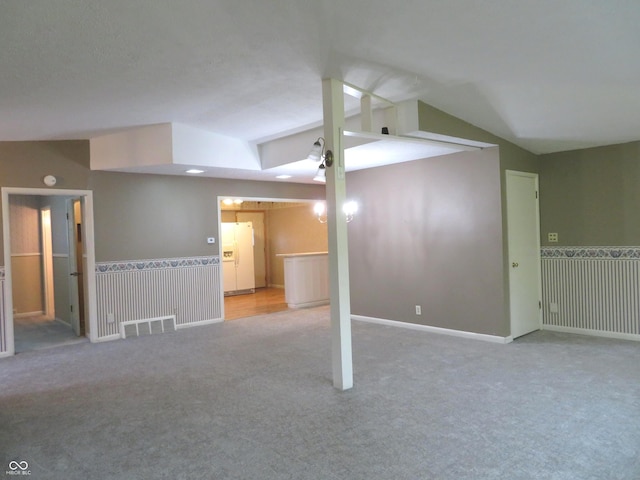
(147, 326)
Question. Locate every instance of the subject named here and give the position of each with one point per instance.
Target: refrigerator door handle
(236, 252)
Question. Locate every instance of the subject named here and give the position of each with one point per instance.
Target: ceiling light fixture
(320, 211)
(321, 174)
(283, 177)
(350, 208)
(317, 149)
(317, 153)
(194, 171)
(231, 201)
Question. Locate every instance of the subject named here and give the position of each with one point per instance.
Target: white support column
(333, 103)
(366, 113)
(391, 119)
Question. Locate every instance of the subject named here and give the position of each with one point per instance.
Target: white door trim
(47, 262)
(72, 264)
(87, 198)
(535, 177)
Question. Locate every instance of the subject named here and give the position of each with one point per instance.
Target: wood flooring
(265, 300)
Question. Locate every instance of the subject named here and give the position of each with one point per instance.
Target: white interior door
(259, 245)
(524, 252)
(74, 267)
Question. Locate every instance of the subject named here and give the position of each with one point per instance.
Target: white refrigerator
(237, 258)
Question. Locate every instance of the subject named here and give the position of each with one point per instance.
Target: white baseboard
(429, 329)
(592, 333)
(117, 336)
(107, 338)
(308, 304)
(201, 322)
(28, 314)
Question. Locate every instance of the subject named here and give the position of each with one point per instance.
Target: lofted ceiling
(546, 75)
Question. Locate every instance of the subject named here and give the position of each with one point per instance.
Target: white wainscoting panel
(592, 289)
(188, 288)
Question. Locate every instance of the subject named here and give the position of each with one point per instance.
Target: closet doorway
(52, 243)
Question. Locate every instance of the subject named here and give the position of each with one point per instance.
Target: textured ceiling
(549, 75)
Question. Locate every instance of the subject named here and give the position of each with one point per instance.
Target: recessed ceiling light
(194, 171)
(283, 176)
(231, 201)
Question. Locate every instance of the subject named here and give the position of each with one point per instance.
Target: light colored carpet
(35, 333)
(253, 399)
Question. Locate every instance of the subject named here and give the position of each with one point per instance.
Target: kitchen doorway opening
(279, 226)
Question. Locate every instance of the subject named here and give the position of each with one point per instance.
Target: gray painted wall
(25, 164)
(137, 216)
(157, 216)
(429, 233)
(512, 157)
(591, 197)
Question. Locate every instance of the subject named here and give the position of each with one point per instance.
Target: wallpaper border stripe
(607, 253)
(155, 264)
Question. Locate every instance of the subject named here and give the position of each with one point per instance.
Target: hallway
(38, 332)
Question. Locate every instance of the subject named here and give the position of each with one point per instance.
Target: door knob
(514, 264)
(75, 274)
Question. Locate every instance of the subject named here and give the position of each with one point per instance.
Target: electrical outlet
(418, 310)
(552, 237)
(211, 240)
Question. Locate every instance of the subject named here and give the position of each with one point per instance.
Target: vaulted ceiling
(548, 75)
